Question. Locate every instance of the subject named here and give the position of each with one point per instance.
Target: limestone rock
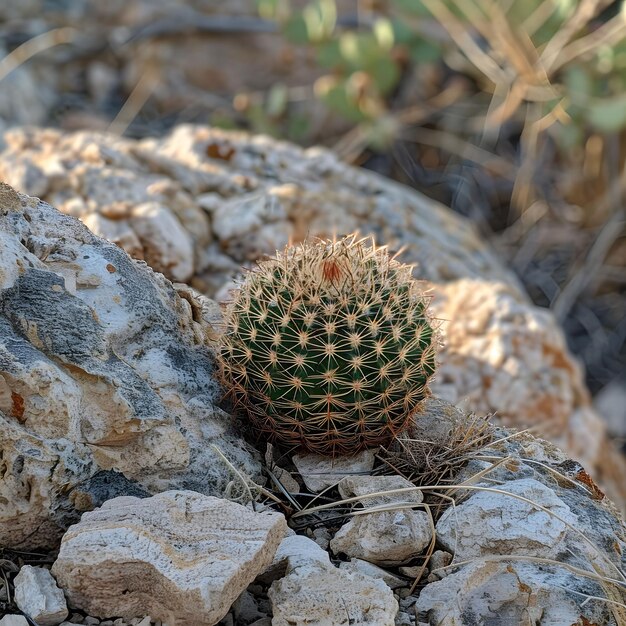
(315, 593)
(37, 595)
(179, 556)
(495, 523)
(385, 537)
(106, 381)
(507, 593)
(501, 354)
(321, 472)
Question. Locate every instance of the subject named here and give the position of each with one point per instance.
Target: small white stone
(37, 595)
(320, 472)
(385, 537)
(321, 536)
(404, 619)
(14, 620)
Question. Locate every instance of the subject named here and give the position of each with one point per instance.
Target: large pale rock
(501, 354)
(495, 523)
(315, 593)
(106, 383)
(178, 556)
(37, 595)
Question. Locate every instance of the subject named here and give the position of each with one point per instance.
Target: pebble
(14, 620)
(38, 596)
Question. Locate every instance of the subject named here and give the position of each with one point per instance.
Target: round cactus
(328, 346)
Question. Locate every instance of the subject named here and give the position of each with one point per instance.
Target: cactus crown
(328, 346)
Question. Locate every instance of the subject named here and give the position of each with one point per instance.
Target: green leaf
(401, 32)
(273, 9)
(329, 54)
(568, 136)
(608, 115)
(298, 126)
(360, 50)
(385, 73)
(424, 51)
(335, 96)
(578, 84)
(412, 6)
(296, 31)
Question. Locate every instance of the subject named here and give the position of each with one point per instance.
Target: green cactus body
(328, 346)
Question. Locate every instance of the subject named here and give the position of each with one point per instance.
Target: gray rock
(404, 619)
(498, 536)
(245, 609)
(37, 595)
(106, 380)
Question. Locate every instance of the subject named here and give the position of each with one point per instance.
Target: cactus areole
(328, 346)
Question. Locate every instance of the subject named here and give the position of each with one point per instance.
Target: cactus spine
(328, 346)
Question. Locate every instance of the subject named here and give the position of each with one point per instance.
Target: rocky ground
(130, 497)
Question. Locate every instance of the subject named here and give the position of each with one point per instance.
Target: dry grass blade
(135, 101)
(464, 40)
(36, 45)
(608, 235)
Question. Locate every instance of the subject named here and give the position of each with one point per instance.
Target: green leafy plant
(328, 346)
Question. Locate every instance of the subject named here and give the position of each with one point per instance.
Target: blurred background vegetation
(513, 113)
